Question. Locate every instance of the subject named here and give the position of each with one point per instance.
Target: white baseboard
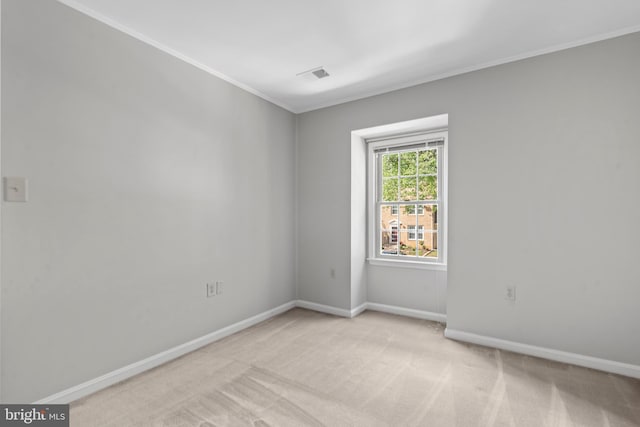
(408, 312)
(96, 384)
(323, 308)
(359, 309)
(546, 353)
(88, 387)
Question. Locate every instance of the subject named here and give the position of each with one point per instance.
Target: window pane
(389, 165)
(389, 236)
(388, 218)
(430, 218)
(408, 163)
(427, 188)
(386, 245)
(389, 189)
(406, 245)
(429, 246)
(408, 219)
(408, 189)
(427, 162)
(408, 210)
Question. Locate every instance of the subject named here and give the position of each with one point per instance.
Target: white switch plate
(15, 189)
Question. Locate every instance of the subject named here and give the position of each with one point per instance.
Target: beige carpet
(308, 369)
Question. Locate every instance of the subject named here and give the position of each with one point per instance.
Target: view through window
(409, 196)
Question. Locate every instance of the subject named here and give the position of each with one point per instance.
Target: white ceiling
(367, 46)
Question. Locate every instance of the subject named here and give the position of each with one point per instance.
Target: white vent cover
(319, 72)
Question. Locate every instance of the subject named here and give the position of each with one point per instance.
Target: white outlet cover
(15, 189)
(511, 293)
(211, 290)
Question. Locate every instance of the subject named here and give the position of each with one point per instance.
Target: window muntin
(408, 194)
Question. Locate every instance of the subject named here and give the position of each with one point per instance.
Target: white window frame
(373, 207)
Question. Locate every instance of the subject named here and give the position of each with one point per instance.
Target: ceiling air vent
(319, 72)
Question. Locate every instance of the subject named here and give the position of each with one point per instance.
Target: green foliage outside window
(409, 176)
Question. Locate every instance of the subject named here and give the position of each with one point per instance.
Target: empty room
(348, 213)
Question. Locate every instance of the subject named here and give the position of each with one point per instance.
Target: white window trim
(373, 257)
(407, 264)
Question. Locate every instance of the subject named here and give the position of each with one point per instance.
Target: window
(411, 230)
(407, 197)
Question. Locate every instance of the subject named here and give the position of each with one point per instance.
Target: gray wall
(148, 178)
(544, 188)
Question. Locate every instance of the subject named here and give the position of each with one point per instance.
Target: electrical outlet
(219, 288)
(15, 189)
(510, 295)
(211, 290)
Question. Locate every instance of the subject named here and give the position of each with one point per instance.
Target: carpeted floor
(309, 369)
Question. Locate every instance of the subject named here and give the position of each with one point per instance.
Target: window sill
(407, 264)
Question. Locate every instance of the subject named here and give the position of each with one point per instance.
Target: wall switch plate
(211, 290)
(15, 189)
(219, 288)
